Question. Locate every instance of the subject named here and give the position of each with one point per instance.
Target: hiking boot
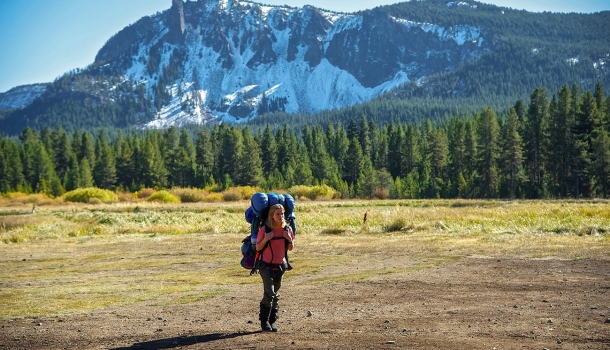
(274, 316)
(264, 317)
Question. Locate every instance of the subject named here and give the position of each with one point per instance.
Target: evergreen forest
(555, 146)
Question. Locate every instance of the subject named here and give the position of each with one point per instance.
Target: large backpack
(256, 215)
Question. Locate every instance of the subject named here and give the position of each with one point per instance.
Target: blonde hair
(272, 209)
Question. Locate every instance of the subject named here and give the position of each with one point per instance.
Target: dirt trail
(473, 303)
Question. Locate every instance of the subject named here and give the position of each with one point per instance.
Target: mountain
(226, 60)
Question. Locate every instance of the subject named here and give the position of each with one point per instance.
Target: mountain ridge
(210, 61)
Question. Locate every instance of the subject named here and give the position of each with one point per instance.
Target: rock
(309, 313)
(607, 320)
(250, 321)
(386, 321)
(549, 321)
(390, 342)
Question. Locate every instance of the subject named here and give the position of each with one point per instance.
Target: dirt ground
(472, 303)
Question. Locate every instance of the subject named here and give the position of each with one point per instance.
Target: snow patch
(460, 4)
(21, 96)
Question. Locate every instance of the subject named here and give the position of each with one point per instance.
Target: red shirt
(275, 251)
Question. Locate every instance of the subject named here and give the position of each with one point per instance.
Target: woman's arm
(290, 238)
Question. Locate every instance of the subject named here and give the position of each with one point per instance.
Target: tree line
(552, 147)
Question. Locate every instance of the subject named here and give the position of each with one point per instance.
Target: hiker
(273, 239)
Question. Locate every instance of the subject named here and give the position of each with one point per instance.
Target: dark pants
(272, 281)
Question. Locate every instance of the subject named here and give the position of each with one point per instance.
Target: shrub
(247, 191)
(23, 198)
(188, 195)
(231, 195)
(313, 192)
(163, 196)
(94, 200)
(85, 195)
(213, 197)
(126, 196)
(299, 191)
(381, 193)
(145, 193)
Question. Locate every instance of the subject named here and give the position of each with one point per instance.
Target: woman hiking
(274, 238)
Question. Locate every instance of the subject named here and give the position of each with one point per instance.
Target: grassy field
(75, 258)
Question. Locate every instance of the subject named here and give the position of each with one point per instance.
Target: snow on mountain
(231, 60)
(21, 96)
(235, 55)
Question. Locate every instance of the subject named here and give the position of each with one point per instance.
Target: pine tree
(600, 99)
(457, 150)
(46, 136)
(410, 152)
(395, 150)
(30, 147)
(367, 181)
(204, 158)
(47, 180)
(487, 153)
(169, 151)
(251, 171)
(183, 162)
(125, 165)
(601, 163)
(364, 137)
(470, 158)
(14, 167)
(4, 181)
(85, 177)
(354, 162)
(560, 144)
(302, 173)
(269, 150)
(104, 171)
(154, 173)
(323, 166)
(287, 145)
(62, 149)
(587, 120)
(87, 149)
(537, 121)
(375, 136)
(439, 151)
(512, 154)
(231, 148)
(72, 179)
(382, 150)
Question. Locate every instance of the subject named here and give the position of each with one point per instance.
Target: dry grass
(74, 258)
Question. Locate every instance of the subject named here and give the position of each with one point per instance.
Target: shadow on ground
(182, 341)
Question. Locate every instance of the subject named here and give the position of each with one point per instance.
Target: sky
(41, 40)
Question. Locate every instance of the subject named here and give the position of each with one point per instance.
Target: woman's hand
(268, 236)
(287, 236)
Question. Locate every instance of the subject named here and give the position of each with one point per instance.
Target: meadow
(74, 258)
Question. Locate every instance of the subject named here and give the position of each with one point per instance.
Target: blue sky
(42, 39)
